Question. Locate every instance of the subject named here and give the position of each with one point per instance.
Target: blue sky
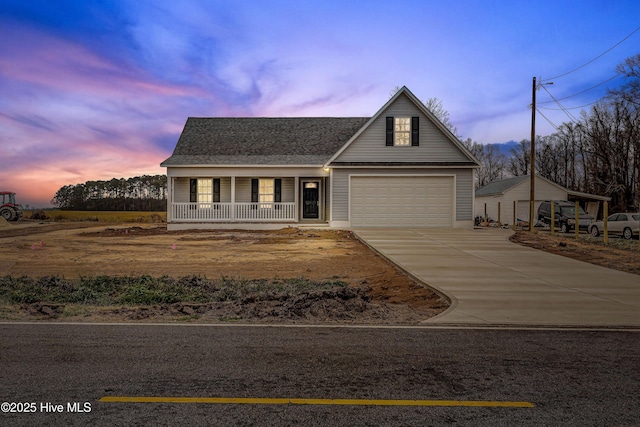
(101, 89)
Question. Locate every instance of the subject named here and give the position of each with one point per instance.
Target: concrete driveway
(492, 281)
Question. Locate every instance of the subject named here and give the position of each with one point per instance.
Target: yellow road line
(293, 401)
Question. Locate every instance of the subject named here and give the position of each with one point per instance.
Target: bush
(39, 215)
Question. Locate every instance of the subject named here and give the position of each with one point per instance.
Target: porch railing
(201, 211)
(265, 211)
(233, 212)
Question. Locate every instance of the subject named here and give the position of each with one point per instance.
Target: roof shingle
(499, 187)
(266, 141)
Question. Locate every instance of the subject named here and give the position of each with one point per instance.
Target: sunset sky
(101, 89)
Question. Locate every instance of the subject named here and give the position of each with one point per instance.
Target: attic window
(403, 131)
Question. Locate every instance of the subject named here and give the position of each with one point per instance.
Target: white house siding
(180, 190)
(370, 146)
(181, 176)
(520, 193)
(463, 189)
(327, 199)
(243, 190)
(288, 190)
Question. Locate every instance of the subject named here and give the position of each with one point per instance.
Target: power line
(571, 117)
(570, 108)
(547, 119)
(597, 57)
(586, 90)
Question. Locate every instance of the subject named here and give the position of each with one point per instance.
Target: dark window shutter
(254, 190)
(277, 186)
(193, 190)
(216, 190)
(415, 131)
(389, 131)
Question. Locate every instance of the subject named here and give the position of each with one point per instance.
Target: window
(204, 191)
(266, 192)
(403, 131)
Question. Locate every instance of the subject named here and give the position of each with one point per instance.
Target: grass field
(101, 216)
(148, 290)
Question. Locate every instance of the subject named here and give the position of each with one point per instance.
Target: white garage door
(401, 201)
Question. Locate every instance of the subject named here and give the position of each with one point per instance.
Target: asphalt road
(577, 378)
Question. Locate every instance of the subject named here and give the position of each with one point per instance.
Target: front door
(310, 193)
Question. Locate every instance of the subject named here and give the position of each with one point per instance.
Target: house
(400, 168)
(501, 195)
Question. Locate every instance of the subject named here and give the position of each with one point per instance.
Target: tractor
(9, 210)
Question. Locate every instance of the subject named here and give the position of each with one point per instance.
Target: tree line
(140, 193)
(597, 152)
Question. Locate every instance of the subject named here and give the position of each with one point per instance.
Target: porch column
(233, 197)
(296, 199)
(170, 199)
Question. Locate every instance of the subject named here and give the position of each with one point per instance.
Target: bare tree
(630, 91)
(520, 159)
(434, 105)
(492, 162)
(549, 158)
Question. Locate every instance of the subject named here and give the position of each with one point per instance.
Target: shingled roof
(262, 141)
(499, 187)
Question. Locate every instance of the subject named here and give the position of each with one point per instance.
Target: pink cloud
(34, 57)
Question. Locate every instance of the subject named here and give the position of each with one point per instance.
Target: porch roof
(262, 141)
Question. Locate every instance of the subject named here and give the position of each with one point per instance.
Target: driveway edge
(453, 302)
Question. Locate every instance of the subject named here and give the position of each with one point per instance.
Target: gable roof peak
(404, 90)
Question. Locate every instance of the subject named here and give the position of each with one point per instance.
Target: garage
(401, 201)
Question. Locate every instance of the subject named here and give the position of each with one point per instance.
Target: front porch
(231, 212)
(245, 199)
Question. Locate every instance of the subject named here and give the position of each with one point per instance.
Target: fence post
(515, 204)
(553, 218)
(499, 222)
(485, 213)
(605, 237)
(577, 225)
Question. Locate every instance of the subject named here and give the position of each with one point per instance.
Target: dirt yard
(73, 250)
(618, 254)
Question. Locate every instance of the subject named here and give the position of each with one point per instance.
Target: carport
(498, 198)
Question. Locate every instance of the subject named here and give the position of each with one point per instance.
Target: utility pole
(532, 189)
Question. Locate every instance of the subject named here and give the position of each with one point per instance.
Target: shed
(498, 198)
